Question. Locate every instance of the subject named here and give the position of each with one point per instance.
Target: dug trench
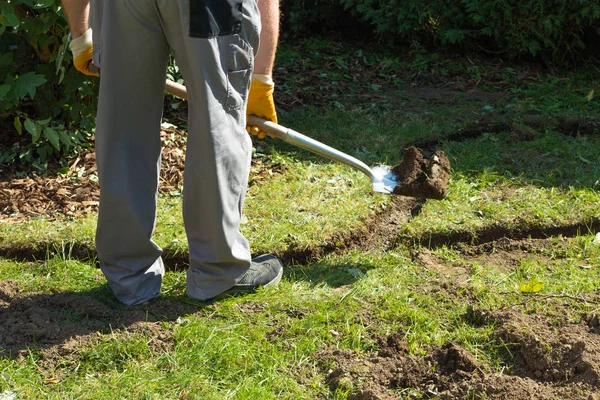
(524, 128)
(68, 195)
(421, 177)
(25, 195)
(380, 232)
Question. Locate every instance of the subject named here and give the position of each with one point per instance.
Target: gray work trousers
(214, 49)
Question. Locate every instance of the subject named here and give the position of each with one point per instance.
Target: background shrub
(47, 105)
(306, 18)
(557, 30)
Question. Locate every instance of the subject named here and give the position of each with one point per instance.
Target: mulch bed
(26, 195)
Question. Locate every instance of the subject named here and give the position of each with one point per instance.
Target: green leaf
(61, 55)
(45, 3)
(43, 152)
(10, 18)
(63, 170)
(33, 129)
(18, 125)
(65, 139)
(4, 89)
(532, 286)
(28, 83)
(52, 136)
(7, 59)
(44, 121)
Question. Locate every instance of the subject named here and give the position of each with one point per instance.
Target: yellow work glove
(81, 48)
(260, 102)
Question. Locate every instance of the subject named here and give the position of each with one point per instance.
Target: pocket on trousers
(240, 60)
(212, 18)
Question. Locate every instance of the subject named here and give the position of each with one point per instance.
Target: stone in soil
(421, 177)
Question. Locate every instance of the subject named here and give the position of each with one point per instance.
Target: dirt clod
(422, 177)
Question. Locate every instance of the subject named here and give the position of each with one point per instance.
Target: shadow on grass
(323, 273)
(44, 320)
(91, 328)
(59, 322)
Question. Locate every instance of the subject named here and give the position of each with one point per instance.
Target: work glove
(81, 48)
(260, 102)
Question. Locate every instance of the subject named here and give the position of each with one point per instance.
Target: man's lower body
(132, 41)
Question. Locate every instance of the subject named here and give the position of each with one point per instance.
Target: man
(214, 43)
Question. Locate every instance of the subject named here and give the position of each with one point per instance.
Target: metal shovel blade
(384, 180)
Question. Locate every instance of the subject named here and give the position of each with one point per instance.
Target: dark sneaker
(265, 271)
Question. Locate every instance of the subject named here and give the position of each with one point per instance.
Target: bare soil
(548, 356)
(378, 233)
(61, 325)
(567, 369)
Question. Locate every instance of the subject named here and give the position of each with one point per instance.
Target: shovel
(384, 179)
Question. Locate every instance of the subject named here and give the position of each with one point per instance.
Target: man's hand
(260, 102)
(81, 48)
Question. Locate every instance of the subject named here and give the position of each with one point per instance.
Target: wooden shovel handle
(176, 89)
(274, 130)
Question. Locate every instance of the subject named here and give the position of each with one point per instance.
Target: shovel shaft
(176, 89)
(289, 136)
(304, 142)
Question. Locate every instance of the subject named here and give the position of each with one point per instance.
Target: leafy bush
(555, 30)
(46, 106)
(515, 27)
(310, 17)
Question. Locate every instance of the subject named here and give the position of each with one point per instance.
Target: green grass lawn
(507, 172)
